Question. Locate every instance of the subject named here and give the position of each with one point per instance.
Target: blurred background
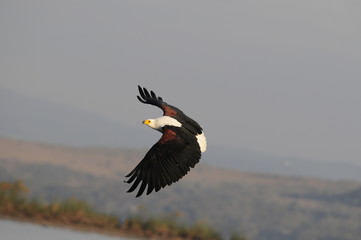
(274, 84)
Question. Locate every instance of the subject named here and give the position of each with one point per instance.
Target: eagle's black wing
(147, 97)
(166, 162)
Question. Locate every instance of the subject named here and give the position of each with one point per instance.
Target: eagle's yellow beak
(146, 122)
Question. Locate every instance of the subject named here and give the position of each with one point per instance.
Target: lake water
(11, 230)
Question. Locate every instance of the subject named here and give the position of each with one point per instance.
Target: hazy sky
(281, 77)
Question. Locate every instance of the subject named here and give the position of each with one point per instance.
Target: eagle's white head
(160, 122)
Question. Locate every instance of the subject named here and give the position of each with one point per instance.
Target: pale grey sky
(281, 77)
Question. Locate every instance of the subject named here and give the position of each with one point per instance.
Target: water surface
(12, 230)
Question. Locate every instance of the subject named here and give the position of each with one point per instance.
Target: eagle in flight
(178, 150)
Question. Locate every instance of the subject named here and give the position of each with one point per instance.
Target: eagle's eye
(146, 122)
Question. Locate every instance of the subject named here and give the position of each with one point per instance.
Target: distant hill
(36, 119)
(263, 206)
(266, 163)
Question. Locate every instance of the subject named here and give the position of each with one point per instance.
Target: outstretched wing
(166, 162)
(151, 98)
(168, 110)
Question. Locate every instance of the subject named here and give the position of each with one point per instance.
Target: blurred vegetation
(14, 203)
(169, 228)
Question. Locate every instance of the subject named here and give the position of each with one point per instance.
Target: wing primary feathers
(146, 93)
(152, 182)
(165, 173)
(141, 100)
(142, 188)
(149, 98)
(153, 95)
(167, 170)
(157, 182)
(131, 173)
(135, 185)
(141, 92)
(130, 180)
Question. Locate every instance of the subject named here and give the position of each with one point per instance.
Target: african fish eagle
(174, 154)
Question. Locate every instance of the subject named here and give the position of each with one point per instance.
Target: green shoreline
(78, 215)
